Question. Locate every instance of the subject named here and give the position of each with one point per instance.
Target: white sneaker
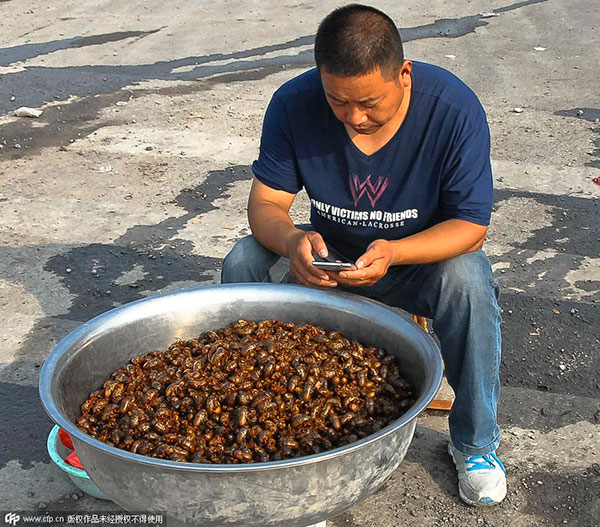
(481, 478)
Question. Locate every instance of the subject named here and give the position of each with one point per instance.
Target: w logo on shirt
(373, 191)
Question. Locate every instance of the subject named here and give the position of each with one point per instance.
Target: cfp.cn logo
(11, 518)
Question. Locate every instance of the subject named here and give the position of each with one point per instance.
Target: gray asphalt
(105, 203)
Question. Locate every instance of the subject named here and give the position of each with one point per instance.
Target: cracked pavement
(134, 182)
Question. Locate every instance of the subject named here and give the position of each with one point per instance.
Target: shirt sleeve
(467, 185)
(276, 165)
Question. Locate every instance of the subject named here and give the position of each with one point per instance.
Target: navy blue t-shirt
(436, 167)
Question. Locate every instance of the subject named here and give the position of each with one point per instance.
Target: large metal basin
(291, 493)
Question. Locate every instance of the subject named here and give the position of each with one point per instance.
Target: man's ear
(404, 73)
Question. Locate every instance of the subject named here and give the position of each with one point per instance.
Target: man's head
(359, 55)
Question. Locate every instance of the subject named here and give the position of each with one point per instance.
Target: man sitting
(394, 155)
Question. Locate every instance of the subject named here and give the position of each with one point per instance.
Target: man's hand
(371, 267)
(300, 249)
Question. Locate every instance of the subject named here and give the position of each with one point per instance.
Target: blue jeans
(460, 295)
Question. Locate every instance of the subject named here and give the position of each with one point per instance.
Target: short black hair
(356, 40)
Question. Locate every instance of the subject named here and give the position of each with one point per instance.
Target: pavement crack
(25, 52)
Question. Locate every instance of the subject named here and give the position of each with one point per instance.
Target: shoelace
(484, 462)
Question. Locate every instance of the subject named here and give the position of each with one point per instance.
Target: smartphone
(332, 266)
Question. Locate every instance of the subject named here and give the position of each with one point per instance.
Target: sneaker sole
(483, 502)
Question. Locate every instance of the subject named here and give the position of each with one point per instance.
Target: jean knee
(469, 276)
(238, 264)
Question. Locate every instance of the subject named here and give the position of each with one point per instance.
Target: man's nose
(355, 116)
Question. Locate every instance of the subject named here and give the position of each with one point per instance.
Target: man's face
(367, 102)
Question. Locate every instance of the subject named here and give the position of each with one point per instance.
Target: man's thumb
(318, 245)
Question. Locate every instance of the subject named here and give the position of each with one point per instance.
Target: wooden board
(444, 399)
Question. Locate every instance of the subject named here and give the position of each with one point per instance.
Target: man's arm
(271, 225)
(438, 243)
(269, 202)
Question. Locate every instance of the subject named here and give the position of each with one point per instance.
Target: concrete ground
(134, 182)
